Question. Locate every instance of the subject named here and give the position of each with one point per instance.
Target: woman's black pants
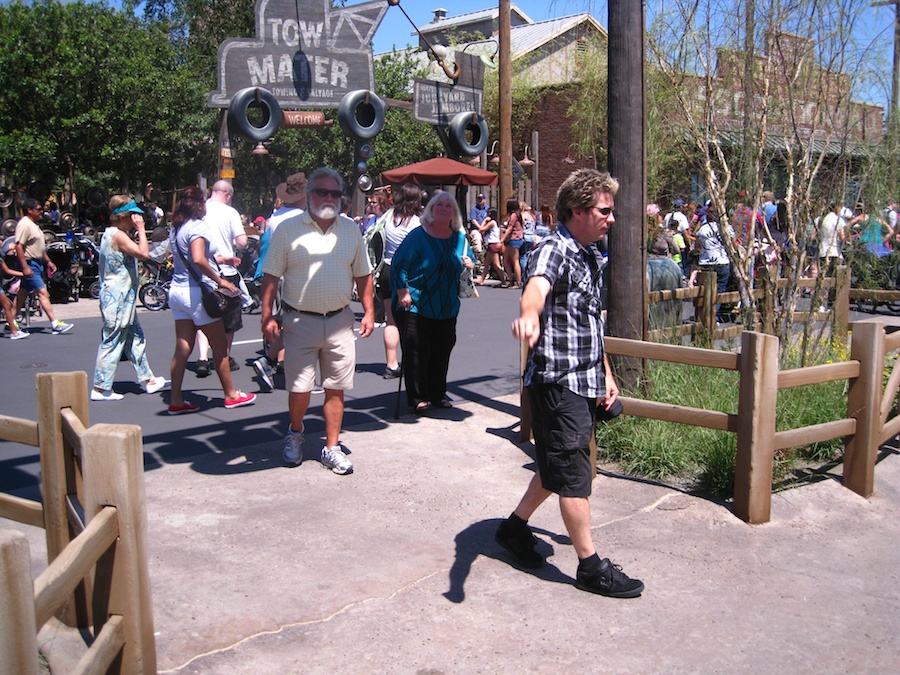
(426, 345)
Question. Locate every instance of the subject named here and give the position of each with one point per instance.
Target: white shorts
(186, 302)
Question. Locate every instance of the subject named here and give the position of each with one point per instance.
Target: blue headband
(130, 207)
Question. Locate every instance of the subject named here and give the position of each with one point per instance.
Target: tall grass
(704, 458)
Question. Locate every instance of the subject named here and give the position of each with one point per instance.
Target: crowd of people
(410, 254)
(690, 235)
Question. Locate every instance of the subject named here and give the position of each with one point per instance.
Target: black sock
(589, 564)
(517, 521)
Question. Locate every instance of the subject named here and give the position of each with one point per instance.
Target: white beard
(326, 212)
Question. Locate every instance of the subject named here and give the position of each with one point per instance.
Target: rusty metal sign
(306, 52)
(437, 103)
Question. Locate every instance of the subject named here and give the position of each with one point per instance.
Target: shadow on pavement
(478, 539)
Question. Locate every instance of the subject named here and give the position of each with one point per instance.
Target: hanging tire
(468, 134)
(95, 197)
(361, 114)
(49, 237)
(154, 296)
(8, 228)
(6, 197)
(240, 122)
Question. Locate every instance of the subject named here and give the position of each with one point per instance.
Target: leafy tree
(100, 94)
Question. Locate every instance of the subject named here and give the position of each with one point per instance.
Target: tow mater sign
(307, 53)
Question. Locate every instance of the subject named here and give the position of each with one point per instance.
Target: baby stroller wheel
(154, 296)
(94, 290)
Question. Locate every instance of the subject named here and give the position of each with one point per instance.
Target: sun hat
(130, 207)
(293, 191)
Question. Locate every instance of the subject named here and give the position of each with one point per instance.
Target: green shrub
(701, 458)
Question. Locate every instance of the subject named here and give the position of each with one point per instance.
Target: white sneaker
(61, 327)
(293, 447)
(335, 459)
(264, 370)
(109, 395)
(21, 335)
(154, 385)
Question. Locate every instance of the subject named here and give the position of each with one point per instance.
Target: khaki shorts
(313, 340)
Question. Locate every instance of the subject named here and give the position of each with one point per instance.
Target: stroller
(62, 285)
(88, 256)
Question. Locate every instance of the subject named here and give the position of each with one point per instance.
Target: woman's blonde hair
(115, 202)
(427, 216)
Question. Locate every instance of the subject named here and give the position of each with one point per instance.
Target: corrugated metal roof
(469, 17)
(834, 147)
(528, 37)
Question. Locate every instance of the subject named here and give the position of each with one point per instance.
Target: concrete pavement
(257, 568)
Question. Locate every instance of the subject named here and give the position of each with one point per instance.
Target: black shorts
(233, 320)
(563, 422)
(383, 282)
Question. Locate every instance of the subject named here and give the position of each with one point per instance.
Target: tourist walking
(121, 334)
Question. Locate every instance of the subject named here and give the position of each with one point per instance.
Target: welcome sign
(306, 53)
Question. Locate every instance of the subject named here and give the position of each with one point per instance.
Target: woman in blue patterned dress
(122, 332)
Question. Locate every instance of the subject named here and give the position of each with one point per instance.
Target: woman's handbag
(217, 303)
(466, 284)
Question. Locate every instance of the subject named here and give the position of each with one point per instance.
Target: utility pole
(895, 75)
(628, 163)
(505, 83)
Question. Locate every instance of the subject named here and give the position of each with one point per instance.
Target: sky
(395, 29)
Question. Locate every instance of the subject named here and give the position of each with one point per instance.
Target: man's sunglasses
(605, 211)
(334, 194)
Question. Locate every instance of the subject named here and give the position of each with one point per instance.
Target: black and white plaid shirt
(569, 351)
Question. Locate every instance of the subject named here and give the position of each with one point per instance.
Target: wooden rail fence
(704, 297)
(96, 578)
(866, 428)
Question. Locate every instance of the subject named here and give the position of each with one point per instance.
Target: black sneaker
(391, 373)
(232, 364)
(520, 542)
(202, 368)
(608, 580)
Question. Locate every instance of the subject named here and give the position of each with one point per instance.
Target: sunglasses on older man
(334, 194)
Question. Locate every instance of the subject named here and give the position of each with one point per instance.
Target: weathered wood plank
(816, 433)
(827, 372)
(21, 510)
(668, 412)
(65, 572)
(18, 430)
(106, 648)
(693, 356)
(18, 639)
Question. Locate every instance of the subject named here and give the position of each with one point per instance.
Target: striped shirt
(569, 350)
(318, 267)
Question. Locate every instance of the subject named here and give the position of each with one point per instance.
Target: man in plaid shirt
(567, 374)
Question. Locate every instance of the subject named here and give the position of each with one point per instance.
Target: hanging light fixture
(526, 161)
(260, 149)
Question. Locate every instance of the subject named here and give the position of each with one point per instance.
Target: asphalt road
(484, 364)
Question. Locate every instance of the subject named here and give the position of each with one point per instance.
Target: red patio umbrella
(439, 171)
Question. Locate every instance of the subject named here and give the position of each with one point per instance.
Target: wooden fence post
(18, 639)
(705, 303)
(59, 476)
(113, 464)
(841, 302)
(864, 405)
(758, 368)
